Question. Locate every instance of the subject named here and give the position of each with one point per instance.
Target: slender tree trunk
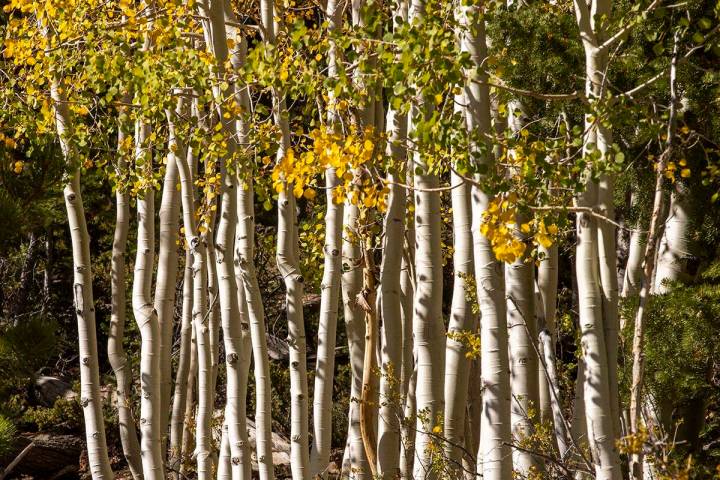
(462, 320)
(428, 327)
(391, 307)
(197, 247)
(246, 274)
(287, 257)
(165, 290)
(596, 262)
(180, 399)
(98, 460)
(332, 271)
(116, 352)
(674, 247)
(547, 281)
(146, 317)
(523, 359)
(354, 325)
(494, 456)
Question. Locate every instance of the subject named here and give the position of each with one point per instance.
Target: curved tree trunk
(116, 352)
(165, 289)
(462, 320)
(98, 460)
(146, 318)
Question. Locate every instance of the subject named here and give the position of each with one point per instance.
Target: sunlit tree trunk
(649, 260)
(116, 352)
(674, 248)
(197, 247)
(165, 290)
(523, 358)
(596, 261)
(146, 315)
(332, 271)
(428, 326)
(494, 455)
(287, 256)
(177, 417)
(462, 321)
(98, 460)
(391, 306)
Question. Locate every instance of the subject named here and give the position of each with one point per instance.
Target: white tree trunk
(200, 321)
(355, 332)
(180, 399)
(633, 268)
(462, 320)
(165, 290)
(146, 318)
(520, 289)
(330, 294)
(288, 262)
(98, 460)
(675, 244)
(116, 353)
(547, 281)
(494, 456)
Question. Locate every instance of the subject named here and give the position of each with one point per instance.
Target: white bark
(547, 281)
(520, 282)
(330, 295)
(675, 244)
(462, 320)
(428, 326)
(287, 257)
(633, 268)
(355, 331)
(494, 456)
(248, 288)
(116, 353)
(146, 318)
(200, 321)
(391, 308)
(596, 261)
(167, 270)
(98, 460)
(180, 399)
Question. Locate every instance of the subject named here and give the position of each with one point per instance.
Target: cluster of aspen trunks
(430, 404)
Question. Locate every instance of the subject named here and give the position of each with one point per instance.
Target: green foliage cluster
(7, 436)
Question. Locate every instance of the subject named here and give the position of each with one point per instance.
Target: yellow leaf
(685, 173)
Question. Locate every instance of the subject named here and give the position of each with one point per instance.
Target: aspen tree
(116, 353)
(494, 455)
(633, 267)
(428, 327)
(146, 315)
(287, 257)
(234, 427)
(597, 303)
(462, 321)
(522, 333)
(245, 271)
(167, 270)
(547, 282)
(98, 460)
(332, 270)
(196, 244)
(391, 337)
